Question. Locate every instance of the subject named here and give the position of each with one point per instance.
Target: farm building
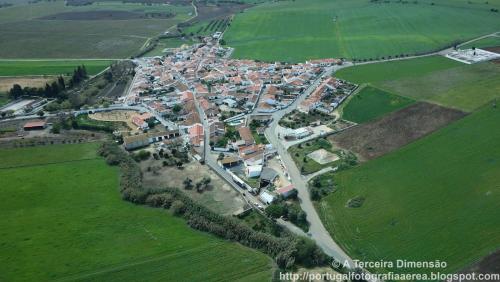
(142, 140)
(267, 197)
(229, 161)
(286, 191)
(299, 133)
(253, 171)
(35, 125)
(246, 135)
(268, 176)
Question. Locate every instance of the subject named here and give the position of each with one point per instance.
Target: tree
(40, 113)
(177, 207)
(16, 91)
(176, 109)
(188, 183)
(62, 84)
(220, 157)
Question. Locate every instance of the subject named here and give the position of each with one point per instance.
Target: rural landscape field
(250, 140)
(359, 29)
(69, 216)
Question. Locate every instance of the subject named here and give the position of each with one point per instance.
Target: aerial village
(200, 96)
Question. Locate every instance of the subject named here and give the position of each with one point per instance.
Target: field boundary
(49, 163)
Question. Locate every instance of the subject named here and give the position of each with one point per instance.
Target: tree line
(56, 89)
(287, 251)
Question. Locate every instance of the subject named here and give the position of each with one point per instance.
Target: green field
(414, 68)
(3, 98)
(306, 164)
(28, 31)
(60, 224)
(360, 29)
(371, 103)
(164, 43)
(433, 79)
(23, 68)
(493, 41)
(435, 199)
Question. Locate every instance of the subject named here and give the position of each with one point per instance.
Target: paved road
(317, 230)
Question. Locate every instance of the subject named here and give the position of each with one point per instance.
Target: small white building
(267, 197)
(253, 171)
(230, 103)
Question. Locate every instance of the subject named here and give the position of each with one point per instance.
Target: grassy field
(61, 224)
(306, 164)
(436, 198)
(373, 73)
(23, 68)
(304, 29)
(38, 31)
(371, 103)
(492, 41)
(3, 98)
(168, 43)
(433, 79)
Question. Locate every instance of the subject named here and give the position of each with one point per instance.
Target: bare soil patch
(322, 156)
(6, 83)
(209, 12)
(489, 264)
(118, 116)
(104, 15)
(220, 198)
(495, 49)
(379, 137)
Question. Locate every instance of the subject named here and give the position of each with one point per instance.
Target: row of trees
(286, 251)
(56, 89)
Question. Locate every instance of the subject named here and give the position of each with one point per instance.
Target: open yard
(321, 150)
(50, 67)
(6, 83)
(374, 139)
(39, 30)
(371, 103)
(60, 224)
(357, 29)
(433, 79)
(435, 199)
(220, 198)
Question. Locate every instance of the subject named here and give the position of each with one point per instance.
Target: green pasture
(63, 219)
(356, 29)
(371, 103)
(492, 41)
(433, 79)
(50, 67)
(394, 70)
(434, 199)
(25, 35)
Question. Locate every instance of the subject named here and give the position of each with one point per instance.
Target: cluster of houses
(223, 88)
(328, 96)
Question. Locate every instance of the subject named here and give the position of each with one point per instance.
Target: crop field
(404, 69)
(371, 103)
(50, 67)
(493, 41)
(434, 199)
(56, 227)
(356, 29)
(466, 88)
(43, 33)
(433, 79)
